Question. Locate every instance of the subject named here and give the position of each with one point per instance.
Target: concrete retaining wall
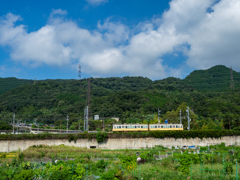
(126, 143)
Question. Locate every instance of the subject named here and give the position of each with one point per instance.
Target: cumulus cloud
(96, 2)
(206, 37)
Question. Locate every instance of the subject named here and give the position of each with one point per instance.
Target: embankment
(118, 143)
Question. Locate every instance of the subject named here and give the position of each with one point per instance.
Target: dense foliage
(132, 99)
(10, 83)
(216, 78)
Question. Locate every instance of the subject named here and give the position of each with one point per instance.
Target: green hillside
(133, 99)
(216, 78)
(9, 83)
(70, 95)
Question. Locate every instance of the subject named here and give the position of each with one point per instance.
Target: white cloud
(115, 32)
(112, 49)
(96, 2)
(213, 37)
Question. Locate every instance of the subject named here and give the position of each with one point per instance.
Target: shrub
(101, 136)
(110, 175)
(228, 168)
(25, 175)
(100, 164)
(80, 171)
(72, 138)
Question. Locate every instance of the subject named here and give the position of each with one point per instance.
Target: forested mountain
(216, 78)
(133, 99)
(9, 83)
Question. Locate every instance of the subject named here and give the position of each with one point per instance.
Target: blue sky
(154, 39)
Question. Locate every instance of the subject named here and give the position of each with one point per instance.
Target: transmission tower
(231, 79)
(88, 102)
(79, 72)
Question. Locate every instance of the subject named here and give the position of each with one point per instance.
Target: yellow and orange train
(146, 127)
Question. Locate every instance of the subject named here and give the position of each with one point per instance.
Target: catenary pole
(13, 122)
(87, 119)
(180, 117)
(84, 128)
(67, 123)
(159, 115)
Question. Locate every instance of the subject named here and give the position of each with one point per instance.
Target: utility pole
(188, 118)
(84, 126)
(103, 125)
(180, 117)
(67, 123)
(79, 125)
(158, 116)
(13, 122)
(17, 125)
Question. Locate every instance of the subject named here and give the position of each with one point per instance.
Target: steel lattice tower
(231, 79)
(79, 72)
(88, 100)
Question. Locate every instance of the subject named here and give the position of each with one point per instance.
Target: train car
(165, 127)
(129, 127)
(146, 127)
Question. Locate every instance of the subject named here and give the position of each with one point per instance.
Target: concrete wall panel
(125, 143)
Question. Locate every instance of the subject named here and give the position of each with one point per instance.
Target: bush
(72, 138)
(101, 136)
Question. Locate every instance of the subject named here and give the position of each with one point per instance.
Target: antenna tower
(231, 79)
(79, 72)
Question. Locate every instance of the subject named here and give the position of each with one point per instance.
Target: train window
(141, 126)
(173, 126)
(170, 126)
(161, 126)
(158, 126)
(155, 126)
(119, 127)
